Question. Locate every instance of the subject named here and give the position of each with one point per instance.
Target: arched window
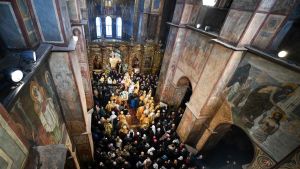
(108, 23)
(119, 27)
(98, 27)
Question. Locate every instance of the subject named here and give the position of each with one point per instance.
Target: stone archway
(183, 92)
(228, 147)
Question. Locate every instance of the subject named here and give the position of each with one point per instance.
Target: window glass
(119, 27)
(108, 23)
(98, 27)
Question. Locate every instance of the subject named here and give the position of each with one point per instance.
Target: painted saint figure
(44, 107)
(268, 125)
(97, 62)
(262, 100)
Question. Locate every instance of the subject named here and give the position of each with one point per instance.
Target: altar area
(125, 56)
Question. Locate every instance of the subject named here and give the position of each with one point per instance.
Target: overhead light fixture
(282, 54)
(13, 75)
(16, 76)
(209, 2)
(28, 56)
(198, 26)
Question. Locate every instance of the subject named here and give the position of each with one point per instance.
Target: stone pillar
(144, 30)
(81, 53)
(81, 49)
(159, 21)
(74, 10)
(223, 115)
(17, 29)
(65, 70)
(136, 19)
(206, 96)
(190, 125)
(158, 55)
(173, 51)
(80, 70)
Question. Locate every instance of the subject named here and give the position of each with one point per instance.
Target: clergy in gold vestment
(139, 112)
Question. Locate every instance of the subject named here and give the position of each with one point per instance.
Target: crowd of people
(131, 130)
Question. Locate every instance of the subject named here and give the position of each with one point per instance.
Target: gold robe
(145, 121)
(108, 127)
(122, 119)
(109, 107)
(140, 112)
(124, 129)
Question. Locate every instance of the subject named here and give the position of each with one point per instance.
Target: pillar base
(190, 127)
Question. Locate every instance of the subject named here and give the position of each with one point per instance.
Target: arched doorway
(184, 92)
(187, 96)
(229, 147)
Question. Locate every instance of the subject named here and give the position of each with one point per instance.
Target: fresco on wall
(147, 5)
(194, 53)
(177, 13)
(125, 9)
(244, 4)
(36, 111)
(47, 20)
(265, 101)
(196, 11)
(283, 7)
(13, 152)
(191, 49)
(67, 90)
(152, 26)
(10, 27)
(165, 63)
(155, 5)
(44, 108)
(268, 30)
(235, 25)
(84, 64)
(292, 162)
(266, 5)
(27, 21)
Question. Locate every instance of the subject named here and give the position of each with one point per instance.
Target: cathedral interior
(162, 84)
